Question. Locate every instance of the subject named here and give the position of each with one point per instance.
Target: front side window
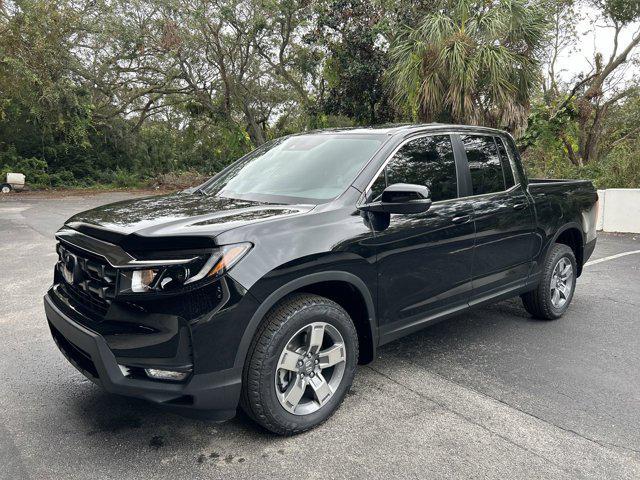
(484, 163)
(304, 168)
(427, 161)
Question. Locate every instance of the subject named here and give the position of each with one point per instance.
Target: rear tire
(5, 188)
(553, 295)
(301, 364)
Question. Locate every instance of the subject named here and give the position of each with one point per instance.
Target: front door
(423, 260)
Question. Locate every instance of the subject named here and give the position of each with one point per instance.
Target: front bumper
(216, 393)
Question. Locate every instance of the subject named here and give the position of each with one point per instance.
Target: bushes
(619, 168)
(124, 157)
(39, 176)
(33, 168)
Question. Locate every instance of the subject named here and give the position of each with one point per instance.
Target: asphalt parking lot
(490, 394)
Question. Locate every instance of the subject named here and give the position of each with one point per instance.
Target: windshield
(303, 168)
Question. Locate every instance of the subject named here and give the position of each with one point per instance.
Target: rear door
(423, 260)
(503, 214)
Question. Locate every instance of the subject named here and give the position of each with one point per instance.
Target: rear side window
(424, 161)
(487, 174)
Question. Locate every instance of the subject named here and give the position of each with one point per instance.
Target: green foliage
(548, 123)
(554, 129)
(356, 61)
(622, 11)
(620, 168)
(128, 92)
(34, 168)
(61, 128)
(474, 62)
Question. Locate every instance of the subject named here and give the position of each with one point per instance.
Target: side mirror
(401, 198)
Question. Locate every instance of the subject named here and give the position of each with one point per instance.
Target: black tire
(259, 399)
(5, 186)
(538, 302)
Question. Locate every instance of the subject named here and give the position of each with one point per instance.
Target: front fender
(297, 284)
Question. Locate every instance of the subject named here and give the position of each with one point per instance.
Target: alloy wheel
(561, 283)
(310, 368)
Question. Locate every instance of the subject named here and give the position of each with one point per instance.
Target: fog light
(166, 374)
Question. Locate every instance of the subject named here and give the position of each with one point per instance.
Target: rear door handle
(519, 206)
(462, 219)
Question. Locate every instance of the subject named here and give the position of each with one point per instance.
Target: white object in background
(602, 195)
(621, 211)
(16, 180)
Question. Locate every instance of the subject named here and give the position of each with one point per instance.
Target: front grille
(84, 302)
(88, 281)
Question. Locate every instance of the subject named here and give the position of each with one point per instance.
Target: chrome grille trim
(88, 282)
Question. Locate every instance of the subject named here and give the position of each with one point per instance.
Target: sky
(594, 35)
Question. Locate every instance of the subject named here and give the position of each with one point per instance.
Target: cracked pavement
(490, 394)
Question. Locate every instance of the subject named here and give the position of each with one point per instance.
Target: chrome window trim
(501, 192)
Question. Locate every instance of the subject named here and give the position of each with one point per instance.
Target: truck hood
(178, 214)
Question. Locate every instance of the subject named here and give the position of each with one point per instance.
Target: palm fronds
(475, 62)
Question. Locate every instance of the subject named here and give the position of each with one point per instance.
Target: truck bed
(561, 202)
(554, 181)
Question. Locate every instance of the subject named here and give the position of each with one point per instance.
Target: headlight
(172, 275)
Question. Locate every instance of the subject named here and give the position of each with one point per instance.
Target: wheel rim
(310, 368)
(6, 189)
(561, 283)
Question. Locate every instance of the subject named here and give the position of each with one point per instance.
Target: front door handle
(519, 206)
(462, 219)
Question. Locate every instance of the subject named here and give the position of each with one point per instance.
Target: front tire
(5, 188)
(551, 298)
(301, 364)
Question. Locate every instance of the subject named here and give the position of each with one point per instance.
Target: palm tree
(475, 62)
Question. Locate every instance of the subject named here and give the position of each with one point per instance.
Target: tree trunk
(591, 133)
(372, 112)
(570, 151)
(255, 131)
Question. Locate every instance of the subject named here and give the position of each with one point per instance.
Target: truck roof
(405, 128)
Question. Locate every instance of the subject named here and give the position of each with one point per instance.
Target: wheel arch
(571, 234)
(321, 283)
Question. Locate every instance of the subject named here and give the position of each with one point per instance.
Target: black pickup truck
(269, 283)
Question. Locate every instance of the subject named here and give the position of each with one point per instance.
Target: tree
(562, 37)
(354, 35)
(473, 62)
(592, 95)
(107, 90)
